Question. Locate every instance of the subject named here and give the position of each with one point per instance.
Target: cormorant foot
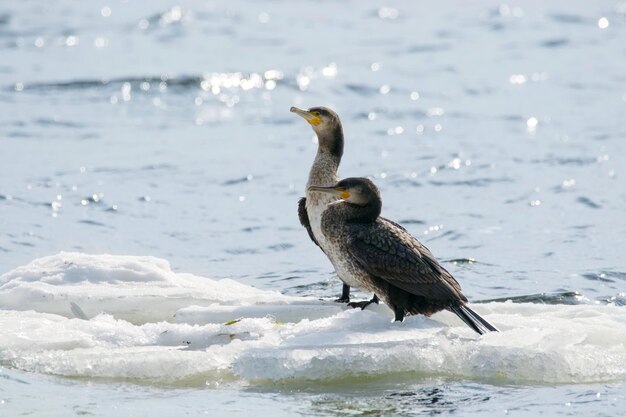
(399, 314)
(345, 294)
(363, 304)
(359, 304)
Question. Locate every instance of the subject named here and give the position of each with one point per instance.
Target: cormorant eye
(315, 113)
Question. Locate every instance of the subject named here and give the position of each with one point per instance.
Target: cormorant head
(358, 191)
(326, 125)
(321, 119)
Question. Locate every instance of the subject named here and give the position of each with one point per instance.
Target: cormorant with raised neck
(327, 126)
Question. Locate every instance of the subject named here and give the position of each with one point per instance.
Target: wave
(133, 318)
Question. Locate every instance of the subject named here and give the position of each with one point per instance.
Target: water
(495, 133)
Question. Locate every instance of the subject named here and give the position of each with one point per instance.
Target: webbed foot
(363, 304)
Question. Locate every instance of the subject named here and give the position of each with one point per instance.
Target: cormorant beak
(340, 192)
(306, 115)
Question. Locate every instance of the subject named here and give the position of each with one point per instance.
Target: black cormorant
(381, 256)
(327, 126)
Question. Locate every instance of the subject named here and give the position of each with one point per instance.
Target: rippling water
(495, 132)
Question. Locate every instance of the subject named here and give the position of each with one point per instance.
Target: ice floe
(134, 318)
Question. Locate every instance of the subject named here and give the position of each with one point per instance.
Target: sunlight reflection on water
(494, 132)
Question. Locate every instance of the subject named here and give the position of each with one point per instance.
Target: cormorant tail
(473, 319)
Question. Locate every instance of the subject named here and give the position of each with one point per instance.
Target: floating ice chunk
(225, 331)
(135, 288)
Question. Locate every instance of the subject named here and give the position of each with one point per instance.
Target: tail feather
(473, 319)
(490, 327)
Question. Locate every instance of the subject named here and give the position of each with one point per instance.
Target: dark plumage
(304, 220)
(384, 258)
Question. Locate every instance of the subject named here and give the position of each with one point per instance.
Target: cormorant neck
(353, 213)
(331, 142)
(328, 158)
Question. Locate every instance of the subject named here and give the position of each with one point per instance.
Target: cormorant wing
(390, 253)
(304, 220)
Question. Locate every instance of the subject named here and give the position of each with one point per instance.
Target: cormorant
(327, 126)
(381, 256)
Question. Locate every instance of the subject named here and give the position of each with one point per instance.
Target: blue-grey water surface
(494, 130)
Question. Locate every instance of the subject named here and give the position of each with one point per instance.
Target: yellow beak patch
(344, 194)
(314, 120)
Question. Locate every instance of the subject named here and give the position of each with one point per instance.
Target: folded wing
(389, 252)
